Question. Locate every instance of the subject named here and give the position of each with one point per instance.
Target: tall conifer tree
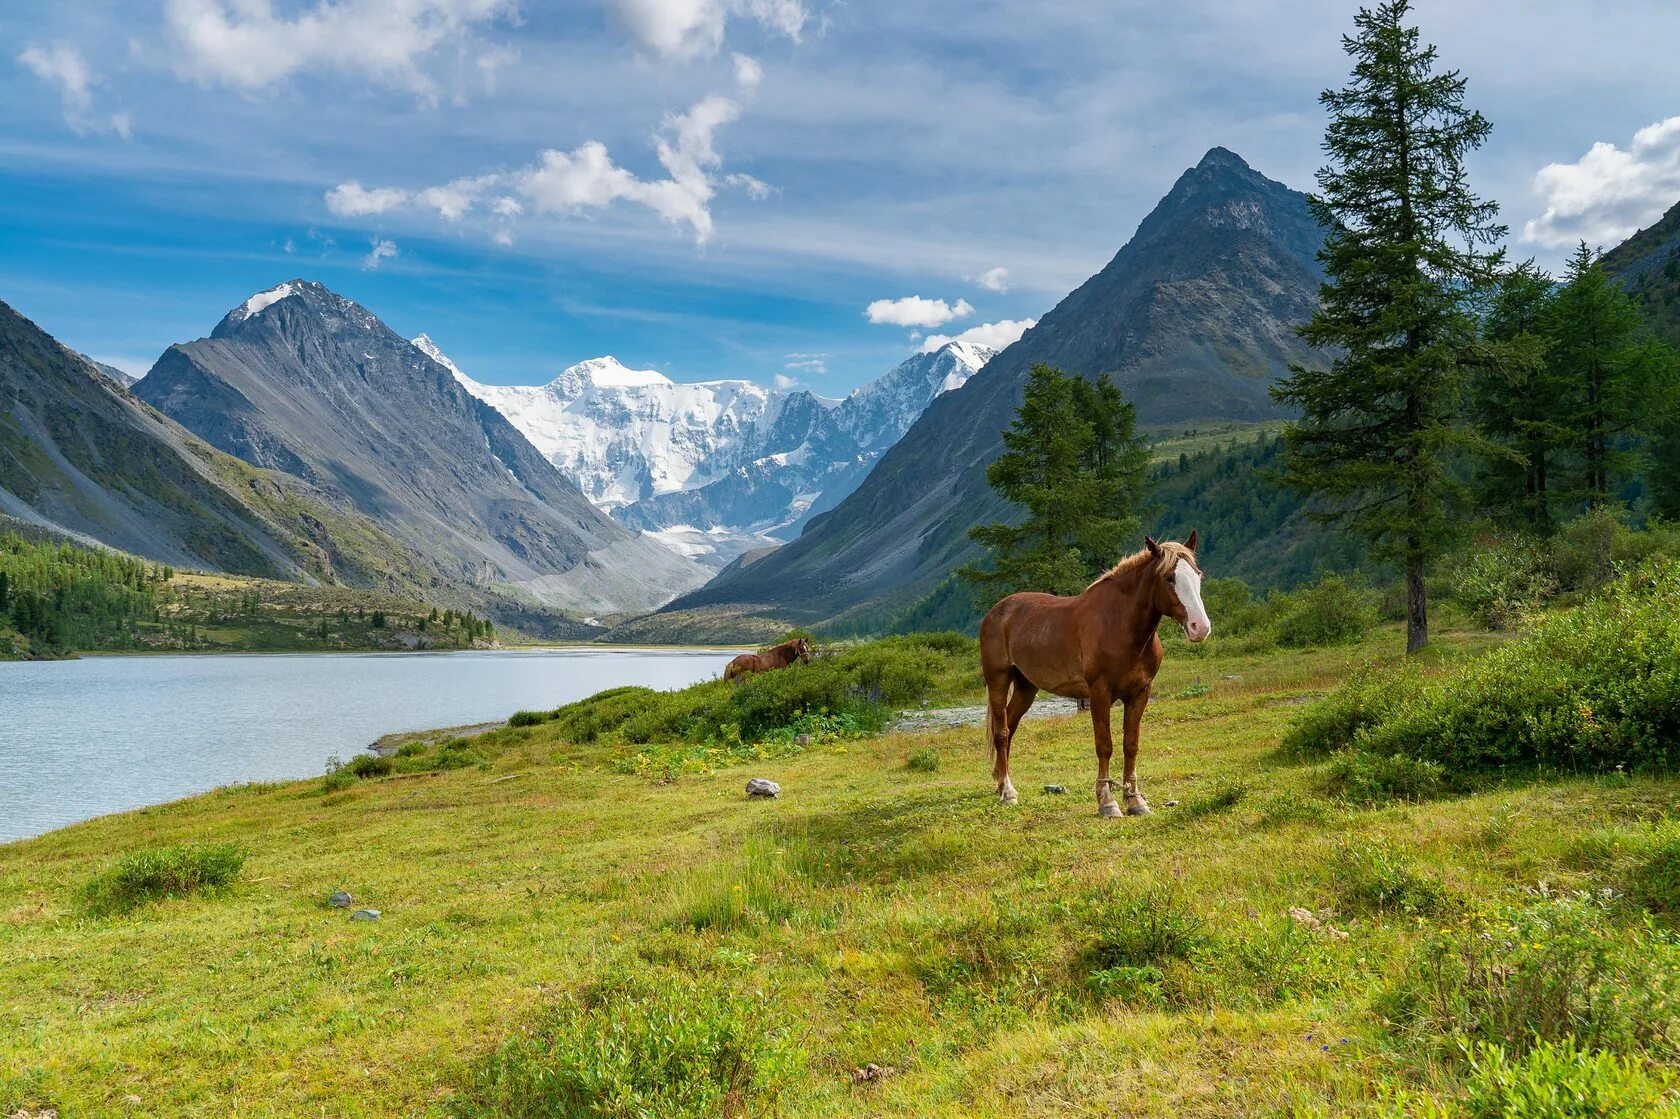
(1407, 255)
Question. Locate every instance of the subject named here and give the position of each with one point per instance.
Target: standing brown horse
(799, 649)
(1099, 646)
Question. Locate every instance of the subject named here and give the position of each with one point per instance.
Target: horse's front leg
(1135, 804)
(1101, 703)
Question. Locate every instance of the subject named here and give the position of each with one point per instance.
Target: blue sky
(773, 189)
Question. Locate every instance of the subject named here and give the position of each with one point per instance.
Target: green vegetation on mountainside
(57, 599)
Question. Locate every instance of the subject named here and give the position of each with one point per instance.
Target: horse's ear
(1154, 548)
(1191, 542)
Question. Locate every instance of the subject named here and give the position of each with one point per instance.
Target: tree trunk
(1417, 606)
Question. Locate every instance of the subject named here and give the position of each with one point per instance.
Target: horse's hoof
(1137, 808)
(1008, 795)
(1110, 809)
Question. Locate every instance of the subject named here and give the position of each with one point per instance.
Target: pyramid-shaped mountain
(1194, 319)
(301, 380)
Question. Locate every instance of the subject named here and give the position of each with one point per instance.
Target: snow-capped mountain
(714, 468)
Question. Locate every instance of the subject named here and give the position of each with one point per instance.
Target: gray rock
(1172, 804)
(1055, 790)
(763, 787)
(340, 900)
(802, 740)
(365, 915)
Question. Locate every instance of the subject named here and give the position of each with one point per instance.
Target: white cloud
(997, 335)
(502, 237)
(1609, 192)
(585, 178)
(685, 29)
(247, 45)
(994, 279)
(784, 382)
(814, 364)
(748, 72)
(290, 246)
(350, 200)
(61, 65)
(382, 250)
(914, 310)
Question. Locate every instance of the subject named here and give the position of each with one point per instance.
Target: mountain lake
(81, 738)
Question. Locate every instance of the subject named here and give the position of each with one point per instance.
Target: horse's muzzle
(1196, 630)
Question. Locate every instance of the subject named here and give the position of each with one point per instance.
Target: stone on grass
(763, 787)
(1055, 790)
(340, 900)
(365, 915)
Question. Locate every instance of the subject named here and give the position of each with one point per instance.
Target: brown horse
(799, 649)
(1099, 646)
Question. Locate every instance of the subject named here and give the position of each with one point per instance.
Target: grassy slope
(933, 941)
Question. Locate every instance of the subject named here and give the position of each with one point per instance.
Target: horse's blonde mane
(1171, 552)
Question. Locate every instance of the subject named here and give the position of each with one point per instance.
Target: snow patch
(263, 300)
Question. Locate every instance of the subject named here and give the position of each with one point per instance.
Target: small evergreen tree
(1072, 460)
(1614, 377)
(1406, 258)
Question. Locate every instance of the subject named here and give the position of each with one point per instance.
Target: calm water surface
(103, 734)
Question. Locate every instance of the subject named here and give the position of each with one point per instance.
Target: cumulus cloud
(247, 45)
(815, 364)
(1609, 192)
(914, 310)
(382, 250)
(685, 29)
(585, 178)
(994, 279)
(997, 335)
(63, 67)
(784, 382)
(748, 72)
(351, 200)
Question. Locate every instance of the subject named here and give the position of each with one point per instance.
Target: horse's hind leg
(998, 730)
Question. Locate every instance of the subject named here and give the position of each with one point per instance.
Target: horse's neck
(1127, 606)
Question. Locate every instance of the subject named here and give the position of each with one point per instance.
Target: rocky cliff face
(1648, 266)
(301, 380)
(716, 468)
(1194, 319)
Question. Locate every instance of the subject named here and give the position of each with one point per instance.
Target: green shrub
(530, 718)
(1500, 586)
(1655, 881)
(639, 1046)
(1376, 876)
(1561, 1081)
(1559, 966)
(1143, 929)
(370, 765)
(458, 753)
(1330, 612)
(1368, 696)
(924, 760)
(1366, 779)
(846, 692)
(163, 872)
(411, 749)
(1591, 689)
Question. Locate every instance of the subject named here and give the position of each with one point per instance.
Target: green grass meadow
(564, 935)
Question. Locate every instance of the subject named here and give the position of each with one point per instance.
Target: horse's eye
(1172, 578)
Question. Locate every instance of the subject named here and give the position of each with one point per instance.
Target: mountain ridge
(715, 468)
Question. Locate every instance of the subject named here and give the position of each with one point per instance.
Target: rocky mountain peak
(297, 302)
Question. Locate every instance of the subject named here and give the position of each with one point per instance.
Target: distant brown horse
(1099, 646)
(799, 649)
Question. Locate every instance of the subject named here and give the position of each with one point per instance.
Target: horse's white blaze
(1188, 583)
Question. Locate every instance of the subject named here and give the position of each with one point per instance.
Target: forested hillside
(58, 599)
